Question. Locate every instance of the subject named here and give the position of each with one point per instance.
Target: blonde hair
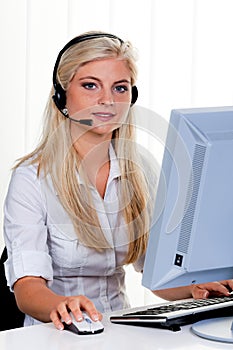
(56, 156)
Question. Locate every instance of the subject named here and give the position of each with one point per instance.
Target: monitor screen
(191, 236)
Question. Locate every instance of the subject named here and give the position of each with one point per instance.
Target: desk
(114, 337)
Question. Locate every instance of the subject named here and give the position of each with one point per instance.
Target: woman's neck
(94, 155)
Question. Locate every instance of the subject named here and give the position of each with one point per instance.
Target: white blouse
(41, 241)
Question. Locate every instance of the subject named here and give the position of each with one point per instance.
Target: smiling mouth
(103, 116)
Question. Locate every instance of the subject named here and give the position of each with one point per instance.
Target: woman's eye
(121, 88)
(89, 86)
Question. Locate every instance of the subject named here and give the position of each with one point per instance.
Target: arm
(36, 299)
(197, 291)
(26, 236)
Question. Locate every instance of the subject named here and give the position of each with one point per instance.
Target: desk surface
(114, 337)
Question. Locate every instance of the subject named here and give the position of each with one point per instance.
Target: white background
(185, 60)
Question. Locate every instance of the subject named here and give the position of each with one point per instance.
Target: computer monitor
(191, 237)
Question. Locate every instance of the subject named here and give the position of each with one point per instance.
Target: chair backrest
(11, 317)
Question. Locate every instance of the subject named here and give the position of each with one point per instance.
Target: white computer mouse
(84, 327)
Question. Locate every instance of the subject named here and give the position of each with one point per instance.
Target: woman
(78, 207)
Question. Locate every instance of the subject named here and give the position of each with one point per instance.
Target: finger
(219, 288)
(228, 284)
(199, 293)
(74, 305)
(209, 289)
(62, 312)
(86, 305)
(55, 318)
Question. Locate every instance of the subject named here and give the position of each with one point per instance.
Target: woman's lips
(103, 116)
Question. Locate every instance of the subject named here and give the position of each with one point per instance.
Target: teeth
(103, 115)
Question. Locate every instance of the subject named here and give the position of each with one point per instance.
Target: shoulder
(26, 168)
(24, 195)
(24, 180)
(25, 171)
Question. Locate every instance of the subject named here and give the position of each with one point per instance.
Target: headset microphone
(88, 122)
(64, 111)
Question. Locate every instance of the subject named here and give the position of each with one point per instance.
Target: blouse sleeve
(25, 230)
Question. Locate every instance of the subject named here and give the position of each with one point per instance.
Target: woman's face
(101, 91)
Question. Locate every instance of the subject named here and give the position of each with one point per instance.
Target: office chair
(11, 317)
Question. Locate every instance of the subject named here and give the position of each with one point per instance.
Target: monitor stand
(218, 329)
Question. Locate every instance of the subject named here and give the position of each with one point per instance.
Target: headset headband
(78, 40)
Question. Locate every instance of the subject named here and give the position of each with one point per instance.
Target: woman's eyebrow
(123, 81)
(89, 77)
(97, 79)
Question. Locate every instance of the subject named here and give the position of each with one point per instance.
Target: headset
(59, 96)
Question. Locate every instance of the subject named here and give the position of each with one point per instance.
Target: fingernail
(95, 317)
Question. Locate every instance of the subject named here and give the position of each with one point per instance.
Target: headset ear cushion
(59, 97)
(134, 94)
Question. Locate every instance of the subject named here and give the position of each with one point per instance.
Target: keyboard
(173, 315)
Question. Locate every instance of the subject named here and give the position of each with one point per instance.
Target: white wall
(185, 58)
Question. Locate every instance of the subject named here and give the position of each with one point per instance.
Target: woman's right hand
(74, 304)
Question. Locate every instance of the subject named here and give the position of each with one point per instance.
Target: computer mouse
(84, 327)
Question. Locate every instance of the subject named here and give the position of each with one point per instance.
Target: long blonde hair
(56, 156)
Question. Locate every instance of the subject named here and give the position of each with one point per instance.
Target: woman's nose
(106, 97)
